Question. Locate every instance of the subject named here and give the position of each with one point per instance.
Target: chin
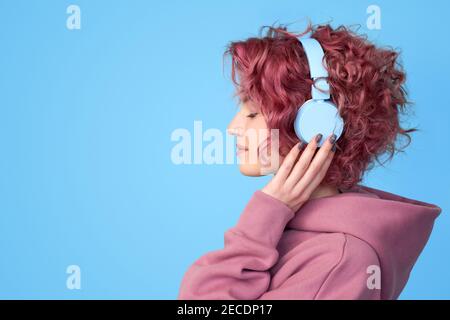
(250, 170)
(259, 168)
(256, 170)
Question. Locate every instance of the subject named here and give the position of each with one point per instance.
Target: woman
(313, 232)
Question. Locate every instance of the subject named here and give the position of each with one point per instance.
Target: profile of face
(256, 157)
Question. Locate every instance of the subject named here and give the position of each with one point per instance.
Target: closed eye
(252, 115)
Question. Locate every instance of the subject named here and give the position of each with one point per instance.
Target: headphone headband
(319, 114)
(319, 74)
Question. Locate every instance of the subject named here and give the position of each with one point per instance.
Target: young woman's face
(251, 131)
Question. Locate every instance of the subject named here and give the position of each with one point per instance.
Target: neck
(324, 191)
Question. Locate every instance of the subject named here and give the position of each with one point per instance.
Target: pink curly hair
(367, 85)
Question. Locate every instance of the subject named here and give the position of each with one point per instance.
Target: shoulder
(345, 248)
(351, 275)
(359, 248)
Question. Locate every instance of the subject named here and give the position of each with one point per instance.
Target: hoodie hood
(397, 228)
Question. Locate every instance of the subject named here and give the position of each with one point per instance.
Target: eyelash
(252, 115)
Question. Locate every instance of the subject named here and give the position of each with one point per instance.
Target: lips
(240, 147)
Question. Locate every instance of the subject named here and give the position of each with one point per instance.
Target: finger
(302, 164)
(316, 164)
(288, 163)
(322, 173)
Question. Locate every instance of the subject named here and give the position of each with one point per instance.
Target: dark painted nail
(333, 148)
(333, 138)
(319, 137)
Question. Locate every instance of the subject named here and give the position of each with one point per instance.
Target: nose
(234, 127)
(235, 131)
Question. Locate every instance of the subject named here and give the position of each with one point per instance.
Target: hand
(295, 180)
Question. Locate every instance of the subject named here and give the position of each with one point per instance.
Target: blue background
(85, 123)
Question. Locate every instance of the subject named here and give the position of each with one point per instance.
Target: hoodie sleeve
(241, 269)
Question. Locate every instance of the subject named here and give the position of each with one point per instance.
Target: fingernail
(319, 137)
(333, 138)
(333, 148)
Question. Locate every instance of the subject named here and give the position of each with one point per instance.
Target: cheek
(264, 152)
(256, 133)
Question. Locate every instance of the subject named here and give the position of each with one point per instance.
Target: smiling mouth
(240, 152)
(241, 148)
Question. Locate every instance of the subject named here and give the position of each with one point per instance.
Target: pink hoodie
(333, 247)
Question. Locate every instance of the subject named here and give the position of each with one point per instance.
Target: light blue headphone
(320, 114)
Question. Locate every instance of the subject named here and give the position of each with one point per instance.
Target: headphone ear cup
(318, 116)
